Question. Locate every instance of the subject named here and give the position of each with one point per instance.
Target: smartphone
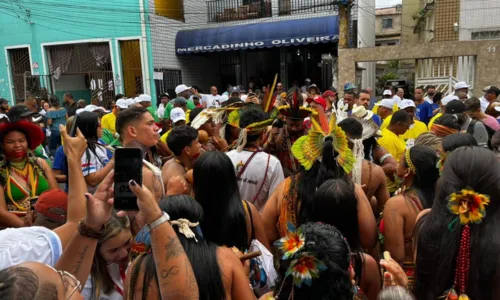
(33, 202)
(128, 166)
(72, 130)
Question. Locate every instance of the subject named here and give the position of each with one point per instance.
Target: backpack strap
(248, 210)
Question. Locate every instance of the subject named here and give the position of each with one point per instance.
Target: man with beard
(4, 106)
(183, 142)
(364, 100)
(284, 134)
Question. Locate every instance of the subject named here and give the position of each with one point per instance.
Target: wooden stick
(250, 255)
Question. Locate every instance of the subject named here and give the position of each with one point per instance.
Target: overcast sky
(385, 3)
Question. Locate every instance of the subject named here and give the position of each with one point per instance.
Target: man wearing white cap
(108, 121)
(385, 109)
(387, 94)
(461, 86)
(182, 91)
(178, 117)
(416, 127)
(145, 101)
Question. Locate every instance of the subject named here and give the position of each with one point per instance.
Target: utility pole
(344, 8)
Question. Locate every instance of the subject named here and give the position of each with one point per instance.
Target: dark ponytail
(311, 180)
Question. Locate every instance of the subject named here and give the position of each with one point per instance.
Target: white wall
(478, 15)
(366, 38)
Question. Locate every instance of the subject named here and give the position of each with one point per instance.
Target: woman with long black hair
(293, 200)
(228, 220)
(449, 246)
(217, 269)
(336, 204)
(96, 162)
(417, 169)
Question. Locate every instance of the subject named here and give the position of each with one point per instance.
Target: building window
(486, 35)
(170, 79)
(172, 9)
(387, 23)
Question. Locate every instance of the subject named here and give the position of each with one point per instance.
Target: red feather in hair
(322, 119)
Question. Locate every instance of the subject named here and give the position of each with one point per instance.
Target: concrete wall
(447, 14)
(388, 32)
(366, 38)
(487, 67)
(65, 22)
(407, 35)
(199, 69)
(474, 17)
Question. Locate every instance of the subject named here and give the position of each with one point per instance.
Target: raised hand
(100, 205)
(74, 147)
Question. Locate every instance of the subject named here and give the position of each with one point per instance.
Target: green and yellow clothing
(16, 195)
(396, 146)
(395, 108)
(431, 122)
(417, 129)
(108, 122)
(40, 153)
(386, 122)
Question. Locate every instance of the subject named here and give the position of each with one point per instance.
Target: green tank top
(16, 196)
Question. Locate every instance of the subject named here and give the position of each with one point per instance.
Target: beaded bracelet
(88, 232)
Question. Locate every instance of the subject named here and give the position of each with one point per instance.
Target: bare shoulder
(396, 202)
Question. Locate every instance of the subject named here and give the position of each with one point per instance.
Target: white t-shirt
(114, 271)
(251, 179)
(19, 245)
(160, 112)
(211, 100)
(484, 103)
(94, 163)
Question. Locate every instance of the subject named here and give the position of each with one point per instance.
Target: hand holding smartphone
(128, 166)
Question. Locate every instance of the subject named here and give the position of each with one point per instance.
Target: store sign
(259, 44)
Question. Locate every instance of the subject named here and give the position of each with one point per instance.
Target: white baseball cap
(405, 103)
(387, 103)
(4, 116)
(448, 99)
(93, 108)
(486, 88)
(122, 103)
(137, 100)
(461, 85)
(181, 88)
(145, 98)
(387, 93)
(79, 111)
(130, 101)
(177, 114)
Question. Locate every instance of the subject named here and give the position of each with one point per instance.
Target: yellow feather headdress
(307, 149)
(252, 129)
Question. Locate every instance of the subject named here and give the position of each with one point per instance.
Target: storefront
(291, 48)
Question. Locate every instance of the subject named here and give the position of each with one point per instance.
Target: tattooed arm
(175, 276)
(173, 269)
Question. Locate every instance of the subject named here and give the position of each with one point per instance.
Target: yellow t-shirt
(108, 121)
(431, 122)
(386, 122)
(413, 133)
(164, 137)
(394, 144)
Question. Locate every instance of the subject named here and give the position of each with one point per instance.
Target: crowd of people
(268, 194)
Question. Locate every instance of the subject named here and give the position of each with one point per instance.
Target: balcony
(293, 7)
(234, 10)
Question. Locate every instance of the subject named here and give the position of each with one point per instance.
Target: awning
(258, 35)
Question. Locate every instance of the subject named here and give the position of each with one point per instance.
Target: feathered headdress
(307, 149)
(205, 115)
(252, 129)
(294, 108)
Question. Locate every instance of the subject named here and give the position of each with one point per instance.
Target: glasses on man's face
(69, 281)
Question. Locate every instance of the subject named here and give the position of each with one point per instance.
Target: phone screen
(128, 166)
